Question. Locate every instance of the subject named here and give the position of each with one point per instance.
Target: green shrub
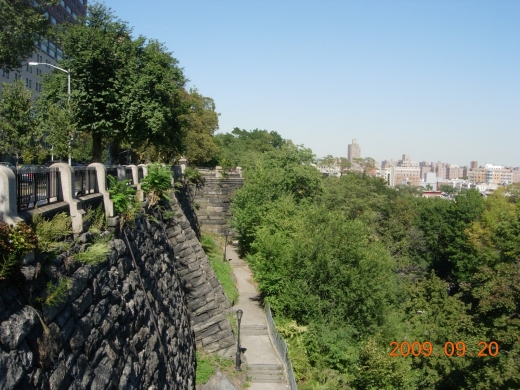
(56, 293)
(193, 176)
(98, 222)
(157, 183)
(15, 242)
(95, 254)
(51, 233)
(126, 203)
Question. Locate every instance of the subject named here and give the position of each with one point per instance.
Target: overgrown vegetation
(208, 364)
(157, 183)
(125, 201)
(94, 254)
(96, 219)
(52, 233)
(222, 268)
(15, 242)
(193, 176)
(55, 294)
(349, 265)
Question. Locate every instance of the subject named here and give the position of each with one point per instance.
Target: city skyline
(437, 80)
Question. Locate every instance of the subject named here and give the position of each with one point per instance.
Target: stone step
(265, 368)
(266, 373)
(253, 330)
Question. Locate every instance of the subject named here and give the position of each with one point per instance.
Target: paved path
(264, 364)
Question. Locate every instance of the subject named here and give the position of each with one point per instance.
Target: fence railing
(129, 176)
(85, 180)
(110, 171)
(37, 186)
(140, 174)
(281, 347)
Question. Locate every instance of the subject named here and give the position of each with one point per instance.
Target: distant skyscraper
(474, 165)
(354, 151)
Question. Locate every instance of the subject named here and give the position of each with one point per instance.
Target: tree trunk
(96, 147)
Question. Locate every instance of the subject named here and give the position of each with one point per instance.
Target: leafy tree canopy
(21, 21)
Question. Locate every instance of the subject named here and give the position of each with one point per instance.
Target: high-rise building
(47, 51)
(354, 151)
(473, 165)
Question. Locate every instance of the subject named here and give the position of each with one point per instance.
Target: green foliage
(21, 21)
(56, 293)
(17, 122)
(51, 233)
(15, 242)
(56, 121)
(222, 268)
(125, 201)
(193, 176)
(96, 218)
(205, 369)
(157, 183)
(200, 123)
(95, 254)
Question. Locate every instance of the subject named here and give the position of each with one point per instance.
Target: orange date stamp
(450, 349)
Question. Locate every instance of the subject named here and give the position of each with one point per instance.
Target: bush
(15, 242)
(95, 254)
(56, 293)
(157, 182)
(51, 233)
(126, 203)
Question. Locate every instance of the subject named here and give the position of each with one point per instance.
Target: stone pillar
(67, 188)
(101, 174)
(8, 209)
(239, 170)
(218, 171)
(183, 163)
(140, 193)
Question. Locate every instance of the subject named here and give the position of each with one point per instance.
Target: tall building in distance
(354, 151)
(46, 51)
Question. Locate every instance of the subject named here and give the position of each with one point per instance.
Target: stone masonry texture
(103, 335)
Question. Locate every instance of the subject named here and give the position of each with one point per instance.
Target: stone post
(67, 188)
(140, 193)
(239, 170)
(101, 174)
(8, 209)
(183, 163)
(218, 171)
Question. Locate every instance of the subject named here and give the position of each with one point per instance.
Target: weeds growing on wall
(126, 203)
(15, 242)
(193, 176)
(96, 218)
(157, 183)
(51, 233)
(95, 254)
(56, 293)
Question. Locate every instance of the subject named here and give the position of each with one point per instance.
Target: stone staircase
(253, 330)
(266, 373)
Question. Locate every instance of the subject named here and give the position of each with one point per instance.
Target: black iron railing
(85, 181)
(129, 176)
(111, 171)
(140, 174)
(37, 187)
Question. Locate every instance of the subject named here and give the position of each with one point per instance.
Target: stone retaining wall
(103, 335)
(213, 203)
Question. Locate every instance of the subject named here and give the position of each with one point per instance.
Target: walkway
(264, 365)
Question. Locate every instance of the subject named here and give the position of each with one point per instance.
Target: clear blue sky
(438, 80)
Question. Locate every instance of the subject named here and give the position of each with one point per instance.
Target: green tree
(18, 127)
(199, 124)
(57, 124)
(21, 21)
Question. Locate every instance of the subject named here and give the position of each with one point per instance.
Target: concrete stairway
(253, 330)
(266, 373)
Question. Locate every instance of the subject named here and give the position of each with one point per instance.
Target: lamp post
(239, 318)
(68, 91)
(225, 245)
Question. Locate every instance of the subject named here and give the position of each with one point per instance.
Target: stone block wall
(103, 335)
(214, 201)
(207, 303)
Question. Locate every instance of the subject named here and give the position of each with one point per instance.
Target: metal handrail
(281, 347)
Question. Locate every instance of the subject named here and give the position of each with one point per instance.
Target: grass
(95, 254)
(208, 364)
(215, 252)
(205, 368)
